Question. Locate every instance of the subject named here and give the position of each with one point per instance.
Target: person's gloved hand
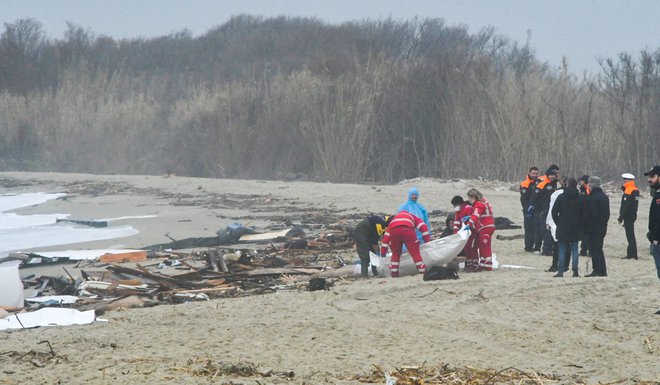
(620, 220)
(648, 236)
(530, 212)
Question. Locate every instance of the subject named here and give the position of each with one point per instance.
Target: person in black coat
(366, 236)
(569, 212)
(598, 214)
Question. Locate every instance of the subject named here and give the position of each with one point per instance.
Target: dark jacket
(366, 233)
(629, 202)
(598, 212)
(540, 198)
(526, 188)
(569, 213)
(654, 217)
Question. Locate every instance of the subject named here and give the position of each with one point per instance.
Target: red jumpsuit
(403, 230)
(470, 249)
(482, 224)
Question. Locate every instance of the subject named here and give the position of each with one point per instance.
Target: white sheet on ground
(11, 287)
(435, 253)
(48, 316)
(61, 299)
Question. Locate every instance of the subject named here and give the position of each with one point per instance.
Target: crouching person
(401, 230)
(366, 236)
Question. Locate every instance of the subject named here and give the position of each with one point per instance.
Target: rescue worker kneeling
(401, 230)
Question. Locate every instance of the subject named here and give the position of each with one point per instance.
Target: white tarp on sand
(48, 316)
(435, 253)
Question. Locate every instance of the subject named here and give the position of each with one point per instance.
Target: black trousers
(363, 248)
(596, 239)
(629, 225)
(584, 245)
(529, 232)
(540, 231)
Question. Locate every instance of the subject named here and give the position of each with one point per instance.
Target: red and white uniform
(470, 250)
(465, 210)
(482, 224)
(403, 230)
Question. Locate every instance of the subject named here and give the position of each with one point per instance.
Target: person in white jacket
(550, 224)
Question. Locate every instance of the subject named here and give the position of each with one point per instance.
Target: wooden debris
(135, 256)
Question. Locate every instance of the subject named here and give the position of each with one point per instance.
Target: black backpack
(436, 273)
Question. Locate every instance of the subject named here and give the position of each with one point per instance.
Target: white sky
(581, 30)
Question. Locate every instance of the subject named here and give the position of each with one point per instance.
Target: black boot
(575, 273)
(364, 267)
(559, 274)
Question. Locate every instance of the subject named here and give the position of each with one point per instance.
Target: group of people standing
(560, 214)
(410, 227)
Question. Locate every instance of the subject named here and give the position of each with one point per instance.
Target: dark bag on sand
(318, 284)
(436, 273)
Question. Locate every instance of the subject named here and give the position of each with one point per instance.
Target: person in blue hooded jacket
(416, 209)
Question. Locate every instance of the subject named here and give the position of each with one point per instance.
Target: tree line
(364, 101)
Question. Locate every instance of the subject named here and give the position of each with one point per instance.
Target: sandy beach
(579, 329)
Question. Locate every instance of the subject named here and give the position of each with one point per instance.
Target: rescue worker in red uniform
(462, 212)
(401, 230)
(482, 223)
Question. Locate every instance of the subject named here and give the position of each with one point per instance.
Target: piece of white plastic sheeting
(60, 299)
(48, 316)
(78, 255)
(11, 287)
(435, 253)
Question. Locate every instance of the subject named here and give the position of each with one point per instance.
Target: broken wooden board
(264, 236)
(130, 256)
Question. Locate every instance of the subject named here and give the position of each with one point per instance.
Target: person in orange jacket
(482, 223)
(628, 213)
(402, 229)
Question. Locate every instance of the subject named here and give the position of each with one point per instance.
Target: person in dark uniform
(628, 212)
(654, 217)
(585, 190)
(598, 214)
(526, 189)
(539, 204)
(366, 236)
